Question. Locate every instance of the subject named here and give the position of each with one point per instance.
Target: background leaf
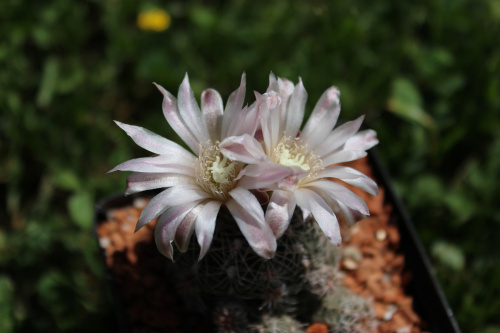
(80, 206)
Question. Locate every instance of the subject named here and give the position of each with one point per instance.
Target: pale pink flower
(198, 185)
(314, 151)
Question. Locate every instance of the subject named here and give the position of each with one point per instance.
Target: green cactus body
(279, 324)
(346, 312)
(301, 280)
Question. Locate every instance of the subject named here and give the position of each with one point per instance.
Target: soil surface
(372, 263)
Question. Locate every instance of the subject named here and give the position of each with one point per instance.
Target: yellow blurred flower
(153, 20)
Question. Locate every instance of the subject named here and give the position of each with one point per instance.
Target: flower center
(298, 160)
(293, 152)
(220, 170)
(215, 173)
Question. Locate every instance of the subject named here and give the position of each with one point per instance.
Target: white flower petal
(279, 212)
(351, 215)
(186, 228)
(205, 225)
(249, 216)
(139, 181)
(303, 202)
(232, 112)
(338, 137)
(343, 156)
(243, 148)
(211, 107)
(173, 117)
(266, 175)
(153, 142)
(173, 196)
(273, 83)
(286, 88)
(322, 119)
(190, 112)
(340, 193)
(250, 122)
(295, 110)
(324, 216)
(351, 176)
(363, 140)
(163, 164)
(167, 226)
(270, 121)
(155, 207)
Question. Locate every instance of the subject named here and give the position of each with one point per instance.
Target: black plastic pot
(429, 300)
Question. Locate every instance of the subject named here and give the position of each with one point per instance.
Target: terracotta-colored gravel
(379, 275)
(373, 266)
(317, 328)
(139, 272)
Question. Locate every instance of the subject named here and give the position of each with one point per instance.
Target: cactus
(230, 316)
(250, 294)
(232, 269)
(281, 324)
(346, 312)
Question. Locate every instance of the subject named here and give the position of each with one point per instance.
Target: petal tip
(160, 88)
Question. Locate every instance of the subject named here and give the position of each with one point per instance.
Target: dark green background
(425, 73)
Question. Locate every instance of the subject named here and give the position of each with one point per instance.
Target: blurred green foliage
(426, 74)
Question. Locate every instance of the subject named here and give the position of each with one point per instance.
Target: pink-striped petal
(162, 164)
(211, 107)
(286, 88)
(186, 228)
(279, 212)
(243, 148)
(265, 176)
(167, 226)
(173, 117)
(270, 123)
(233, 107)
(324, 216)
(173, 196)
(273, 83)
(322, 119)
(250, 122)
(190, 112)
(363, 140)
(343, 156)
(303, 202)
(295, 110)
(351, 176)
(249, 216)
(139, 181)
(339, 193)
(339, 136)
(351, 215)
(205, 225)
(153, 142)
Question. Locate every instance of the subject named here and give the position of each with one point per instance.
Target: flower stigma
(293, 152)
(220, 171)
(298, 160)
(215, 173)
